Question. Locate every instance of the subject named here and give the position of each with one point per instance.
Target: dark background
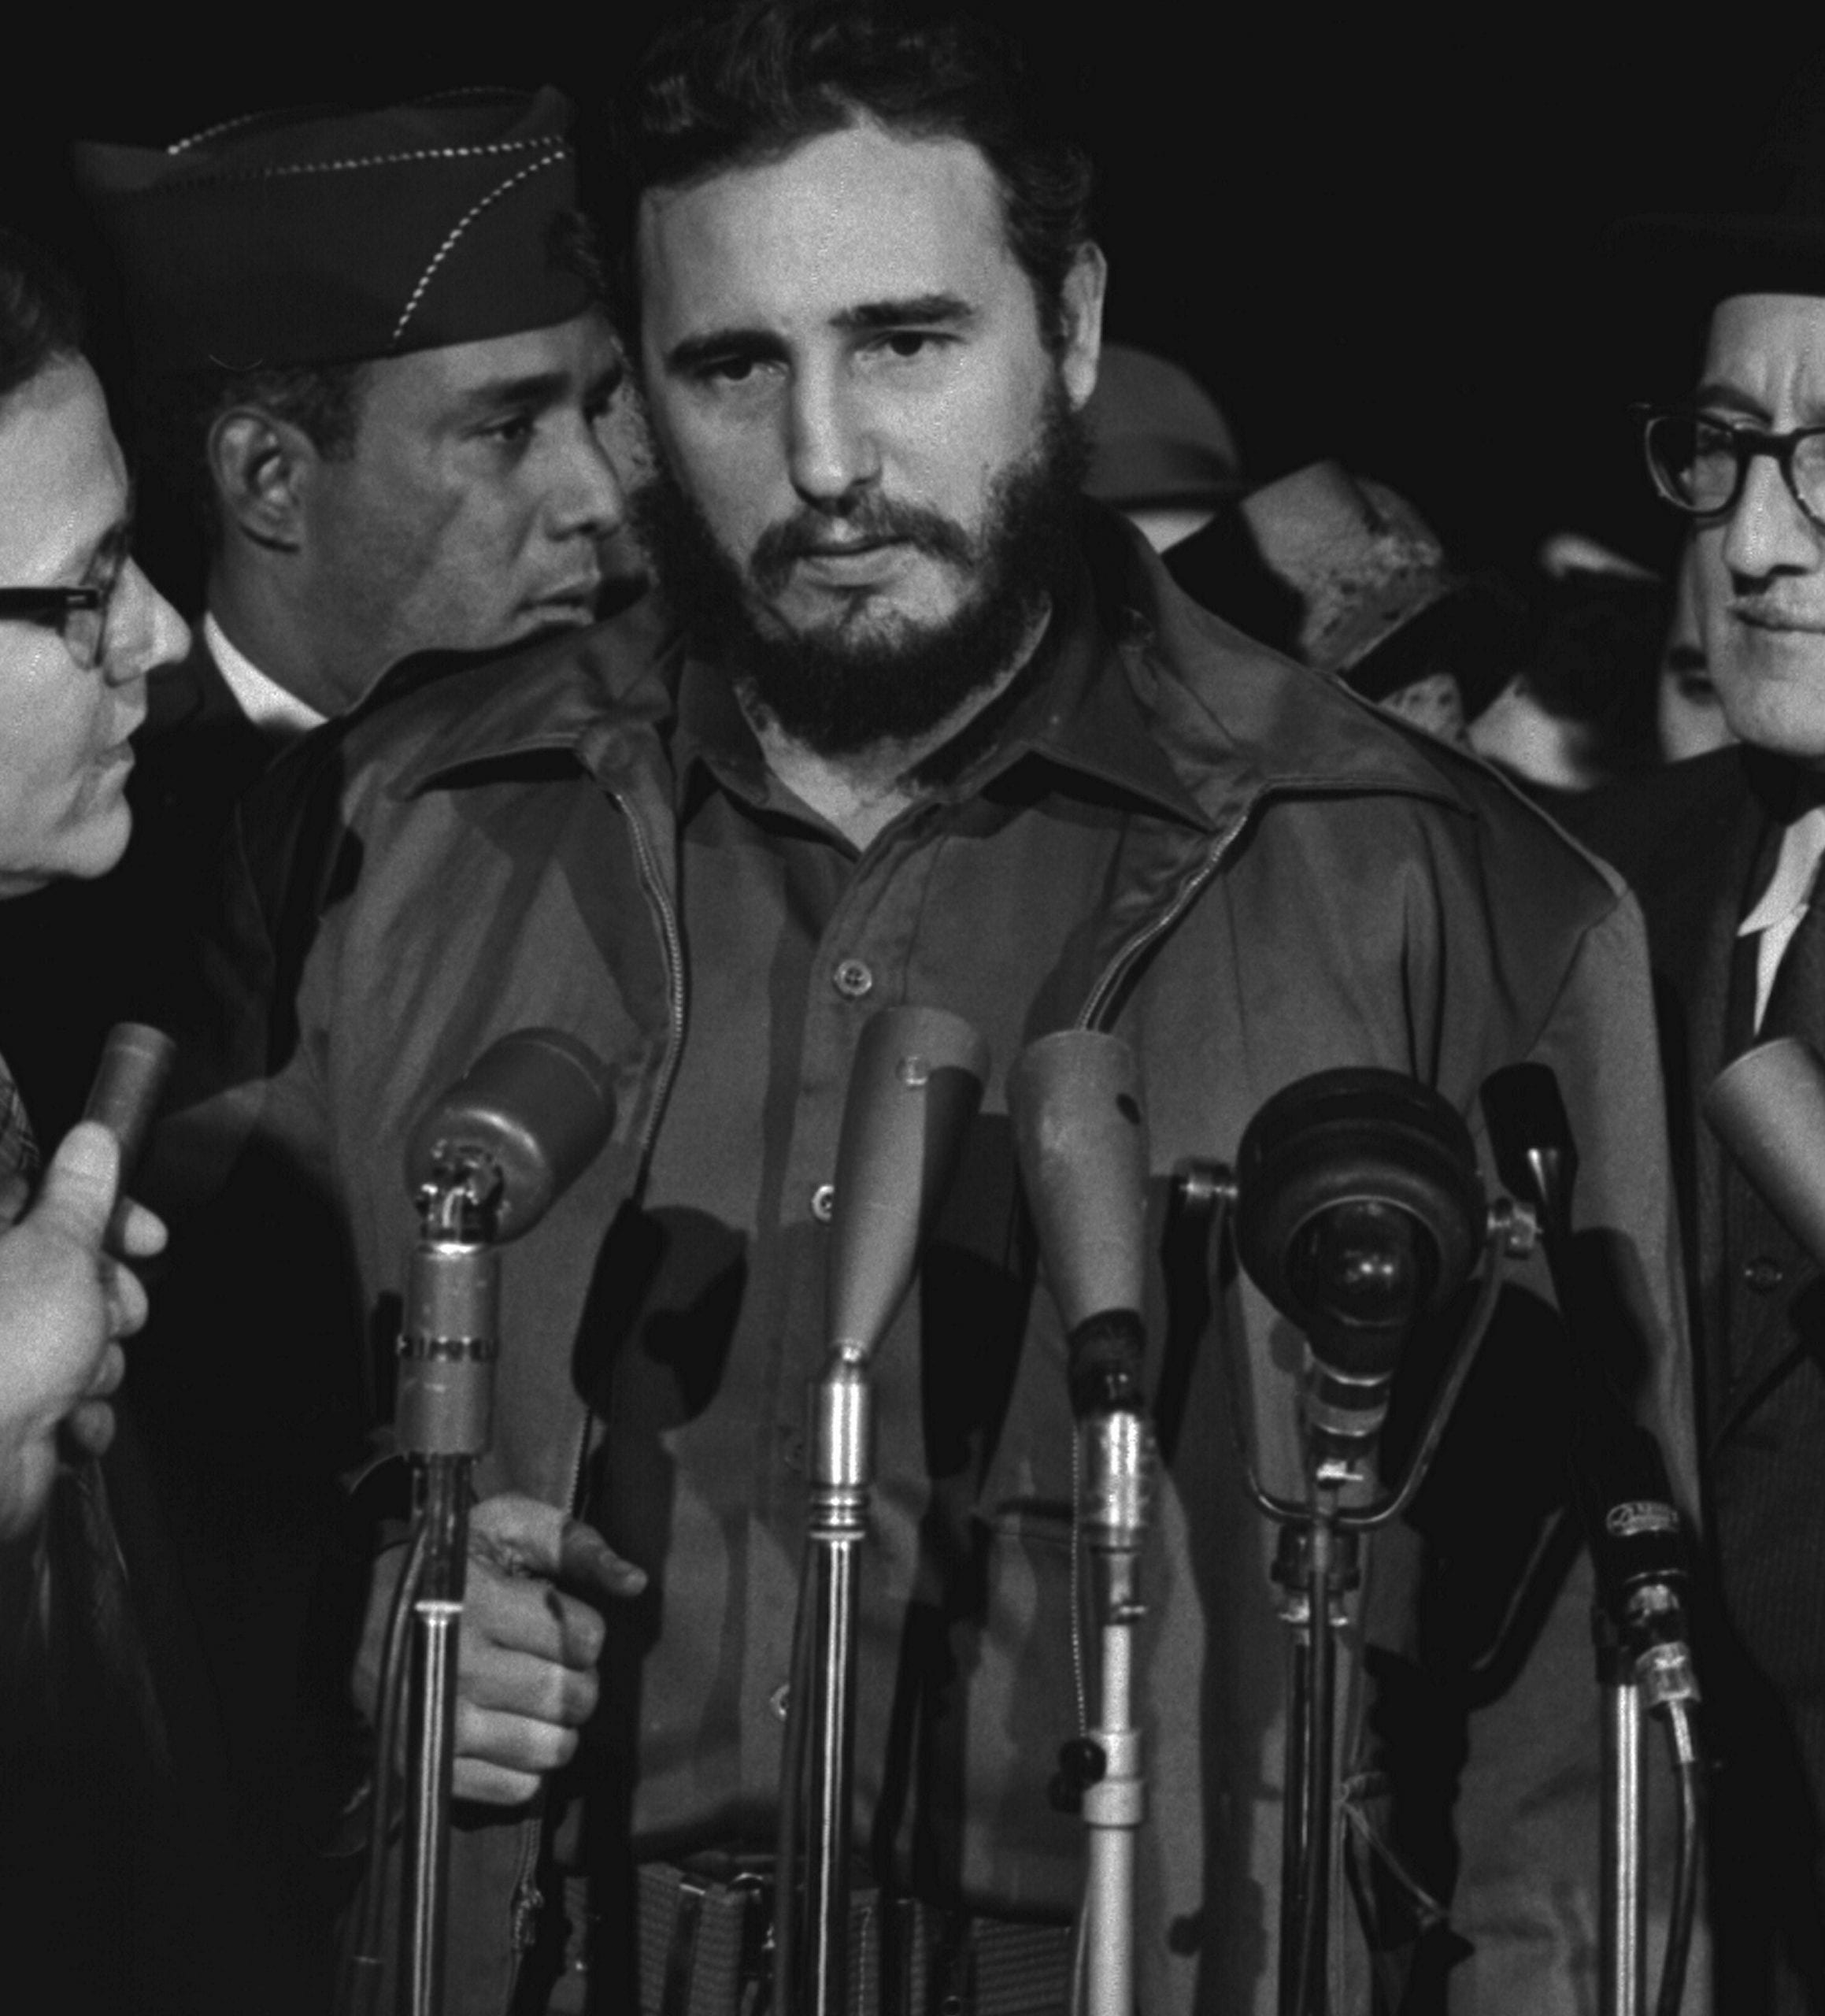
(1383, 245)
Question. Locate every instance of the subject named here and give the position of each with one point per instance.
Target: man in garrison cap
(912, 723)
(374, 369)
(1724, 850)
(372, 345)
(374, 356)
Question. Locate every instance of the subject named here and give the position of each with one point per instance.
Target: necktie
(1796, 1000)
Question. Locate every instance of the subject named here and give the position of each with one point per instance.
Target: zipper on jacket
(526, 1900)
(1157, 927)
(646, 860)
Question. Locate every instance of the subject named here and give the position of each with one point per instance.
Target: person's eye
(511, 430)
(733, 370)
(910, 343)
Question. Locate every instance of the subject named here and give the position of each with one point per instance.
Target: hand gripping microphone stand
(482, 1167)
(913, 1090)
(1637, 1551)
(1082, 1139)
(1359, 1214)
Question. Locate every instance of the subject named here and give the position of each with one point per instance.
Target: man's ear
(261, 468)
(1084, 287)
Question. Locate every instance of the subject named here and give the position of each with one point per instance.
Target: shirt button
(853, 979)
(779, 1700)
(1764, 1274)
(823, 1203)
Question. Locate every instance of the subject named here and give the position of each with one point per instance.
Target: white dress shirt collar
(1777, 915)
(267, 704)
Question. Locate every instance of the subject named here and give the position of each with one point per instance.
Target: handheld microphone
(515, 1131)
(913, 1090)
(1359, 1214)
(129, 1081)
(1768, 1109)
(1620, 1476)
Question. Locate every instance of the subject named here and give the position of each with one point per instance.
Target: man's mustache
(781, 547)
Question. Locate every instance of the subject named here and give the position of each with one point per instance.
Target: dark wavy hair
(41, 316)
(732, 87)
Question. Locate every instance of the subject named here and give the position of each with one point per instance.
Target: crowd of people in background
(687, 628)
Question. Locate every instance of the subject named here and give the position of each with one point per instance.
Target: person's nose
(144, 630)
(587, 496)
(1767, 532)
(831, 449)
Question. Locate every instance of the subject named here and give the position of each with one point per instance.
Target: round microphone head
(532, 1112)
(1360, 1210)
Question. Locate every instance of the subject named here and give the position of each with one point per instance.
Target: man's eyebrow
(1717, 393)
(922, 310)
(914, 311)
(692, 353)
(111, 543)
(539, 388)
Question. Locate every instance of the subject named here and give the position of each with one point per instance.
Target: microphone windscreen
(537, 1106)
(913, 1090)
(1360, 1208)
(130, 1080)
(1082, 1138)
(1768, 1109)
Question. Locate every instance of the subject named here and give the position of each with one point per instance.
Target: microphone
(484, 1165)
(1082, 1140)
(913, 1090)
(1359, 1214)
(1768, 1109)
(514, 1131)
(129, 1081)
(1618, 1473)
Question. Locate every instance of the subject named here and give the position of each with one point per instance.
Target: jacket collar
(1225, 719)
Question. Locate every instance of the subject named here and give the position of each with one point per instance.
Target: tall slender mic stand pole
(841, 1474)
(1358, 1210)
(914, 1088)
(1622, 1979)
(1117, 1508)
(446, 1384)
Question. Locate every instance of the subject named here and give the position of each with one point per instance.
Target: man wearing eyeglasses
(114, 1887)
(1724, 852)
(373, 369)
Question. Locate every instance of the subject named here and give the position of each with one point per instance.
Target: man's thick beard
(838, 693)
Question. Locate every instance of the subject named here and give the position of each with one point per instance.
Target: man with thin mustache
(908, 723)
(1724, 850)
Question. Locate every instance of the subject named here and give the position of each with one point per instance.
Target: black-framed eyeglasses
(1699, 462)
(80, 613)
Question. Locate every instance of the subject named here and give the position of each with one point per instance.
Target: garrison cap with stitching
(325, 237)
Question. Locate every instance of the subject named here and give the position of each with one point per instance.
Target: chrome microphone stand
(446, 1374)
(841, 1476)
(1358, 1210)
(1636, 1543)
(913, 1091)
(1117, 1464)
(482, 1167)
(1075, 1097)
